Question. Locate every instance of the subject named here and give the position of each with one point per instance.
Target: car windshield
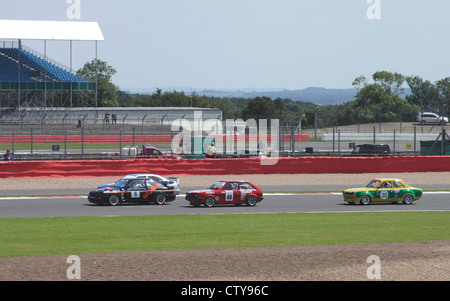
(373, 184)
(121, 183)
(217, 185)
(356, 150)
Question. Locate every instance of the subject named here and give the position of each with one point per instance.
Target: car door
(385, 192)
(230, 193)
(245, 189)
(399, 190)
(135, 191)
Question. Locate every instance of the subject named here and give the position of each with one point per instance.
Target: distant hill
(316, 95)
(319, 96)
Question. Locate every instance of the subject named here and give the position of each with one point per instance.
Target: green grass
(81, 235)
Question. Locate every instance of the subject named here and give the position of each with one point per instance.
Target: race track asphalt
(285, 188)
(18, 207)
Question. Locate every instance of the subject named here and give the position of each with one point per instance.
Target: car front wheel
(365, 200)
(114, 200)
(210, 202)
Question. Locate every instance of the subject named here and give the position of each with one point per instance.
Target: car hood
(201, 191)
(359, 189)
(107, 188)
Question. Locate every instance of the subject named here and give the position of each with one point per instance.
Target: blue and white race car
(132, 190)
(171, 182)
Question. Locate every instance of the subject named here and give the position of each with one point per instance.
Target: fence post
(374, 139)
(12, 148)
(415, 139)
(292, 141)
(82, 143)
(171, 149)
(123, 122)
(334, 139)
(143, 123)
(63, 120)
(65, 145)
(31, 138)
(339, 142)
(394, 142)
(42, 123)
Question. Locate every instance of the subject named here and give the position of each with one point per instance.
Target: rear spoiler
(177, 180)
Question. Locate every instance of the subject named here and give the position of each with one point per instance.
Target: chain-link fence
(66, 141)
(402, 139)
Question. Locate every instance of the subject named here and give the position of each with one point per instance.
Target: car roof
(141, 175)
(240, 181)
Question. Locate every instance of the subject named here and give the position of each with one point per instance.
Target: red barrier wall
(302, 165)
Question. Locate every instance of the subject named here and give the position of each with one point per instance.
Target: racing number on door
(229, 195)
(384, 194)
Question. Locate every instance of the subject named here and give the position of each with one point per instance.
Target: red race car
(226, 192)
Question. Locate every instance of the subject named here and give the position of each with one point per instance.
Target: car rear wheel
(365, 200)
(160, 199)
(251, 201)
(210, 202)
(408, 199)
(114, 200)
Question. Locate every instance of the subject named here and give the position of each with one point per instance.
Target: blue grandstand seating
(9, 67)
(9, 71)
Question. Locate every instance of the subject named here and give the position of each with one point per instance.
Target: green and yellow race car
(383, 190)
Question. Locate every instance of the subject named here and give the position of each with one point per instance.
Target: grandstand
(38, 93)
(34, 73)
(21, 65)
(31, 80)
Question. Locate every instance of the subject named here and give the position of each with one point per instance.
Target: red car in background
(226, 192)
(153, 152)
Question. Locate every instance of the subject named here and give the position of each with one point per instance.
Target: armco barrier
(302, 165)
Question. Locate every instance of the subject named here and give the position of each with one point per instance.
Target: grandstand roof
(50, 30)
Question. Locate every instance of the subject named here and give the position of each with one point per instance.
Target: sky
(250, 44)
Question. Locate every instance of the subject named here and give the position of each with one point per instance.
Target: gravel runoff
(406, 261)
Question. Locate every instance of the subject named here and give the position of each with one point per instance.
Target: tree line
(381, 99)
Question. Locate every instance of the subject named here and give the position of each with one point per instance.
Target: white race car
(170, 182)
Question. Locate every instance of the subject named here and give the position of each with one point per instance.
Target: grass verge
(82, 235)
